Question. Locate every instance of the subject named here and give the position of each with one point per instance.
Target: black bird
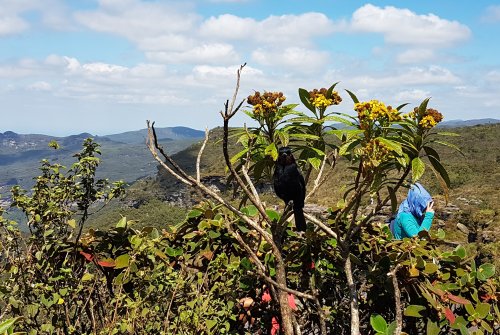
(289, 185)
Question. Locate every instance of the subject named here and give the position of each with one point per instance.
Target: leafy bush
(240, 266)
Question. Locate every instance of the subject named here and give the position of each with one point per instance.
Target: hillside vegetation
(213, 259)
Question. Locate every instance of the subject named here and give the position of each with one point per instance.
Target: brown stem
(397, 300)
(353, 297)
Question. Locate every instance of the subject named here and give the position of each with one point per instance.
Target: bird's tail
(300, 220)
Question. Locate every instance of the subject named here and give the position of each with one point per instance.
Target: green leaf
(487, 270)
(330, 90)
(436, 164)
(417, 168)
(432, 328)
(304, 98)
(447, 133)
(272, 151)
(7, 324)
(87, 276)
(250, 210)
(353, 96)
(273, 215)
(453, 146)
(378, 323)
(414, 311)
(402, 106)
(393, 146)
(315, 162)
(72, 223)
(122, 261)
(460, 252)
(483, 309)
(122, 223)
(431, 268)
(211, 323)
(194, 213)
(423, 106)
(431, 152)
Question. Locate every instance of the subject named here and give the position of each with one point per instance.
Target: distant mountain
(173, 133)
(124, 156)
(467, 123)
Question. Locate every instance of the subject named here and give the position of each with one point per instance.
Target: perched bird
(289, 185)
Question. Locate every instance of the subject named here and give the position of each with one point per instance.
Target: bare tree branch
(198, 159)
(397, 300)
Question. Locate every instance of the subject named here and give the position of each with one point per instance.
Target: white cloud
(411, 95)
(432, 75)
(415, 56)
(276, 30)
(138, 20)
(493, 76)
(216, 53)
(40, 86)
(404, 27)
(492, 14)
(10, 25)
(299, 59)
(52, 14)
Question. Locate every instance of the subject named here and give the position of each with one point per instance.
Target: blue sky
(107, 66)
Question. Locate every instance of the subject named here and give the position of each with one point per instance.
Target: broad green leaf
(414, 311)
(72, 223)
(211, 323)
(487, 270)
(273, 215)
(378, 323)
(194, 213)
(393, 146)
(272, 151)
(423, 106)
(417, 168)
(436, 164)
(483, 309)
(447, 133)
(346, 147)
(402, 106)
(250, 210)
(122, 261)
(470, 309)
(7, 324)
(304, 98)
(315, 162)
(431, 152)
(453, 146)
(353, 96)
(431, 268)
(460, 252)
(305, 136)
(122, 223)
(432, 328)
(87, 276)
(237, 157)
(330, 90)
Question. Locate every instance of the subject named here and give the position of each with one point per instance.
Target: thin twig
(397, 300)
(321, 225)
(320, 179)
(198, 159)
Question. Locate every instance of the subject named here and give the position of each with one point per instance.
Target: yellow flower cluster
(375, 110)
(319, 100)
(427, 120)
(266, 104)
(375, 152)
